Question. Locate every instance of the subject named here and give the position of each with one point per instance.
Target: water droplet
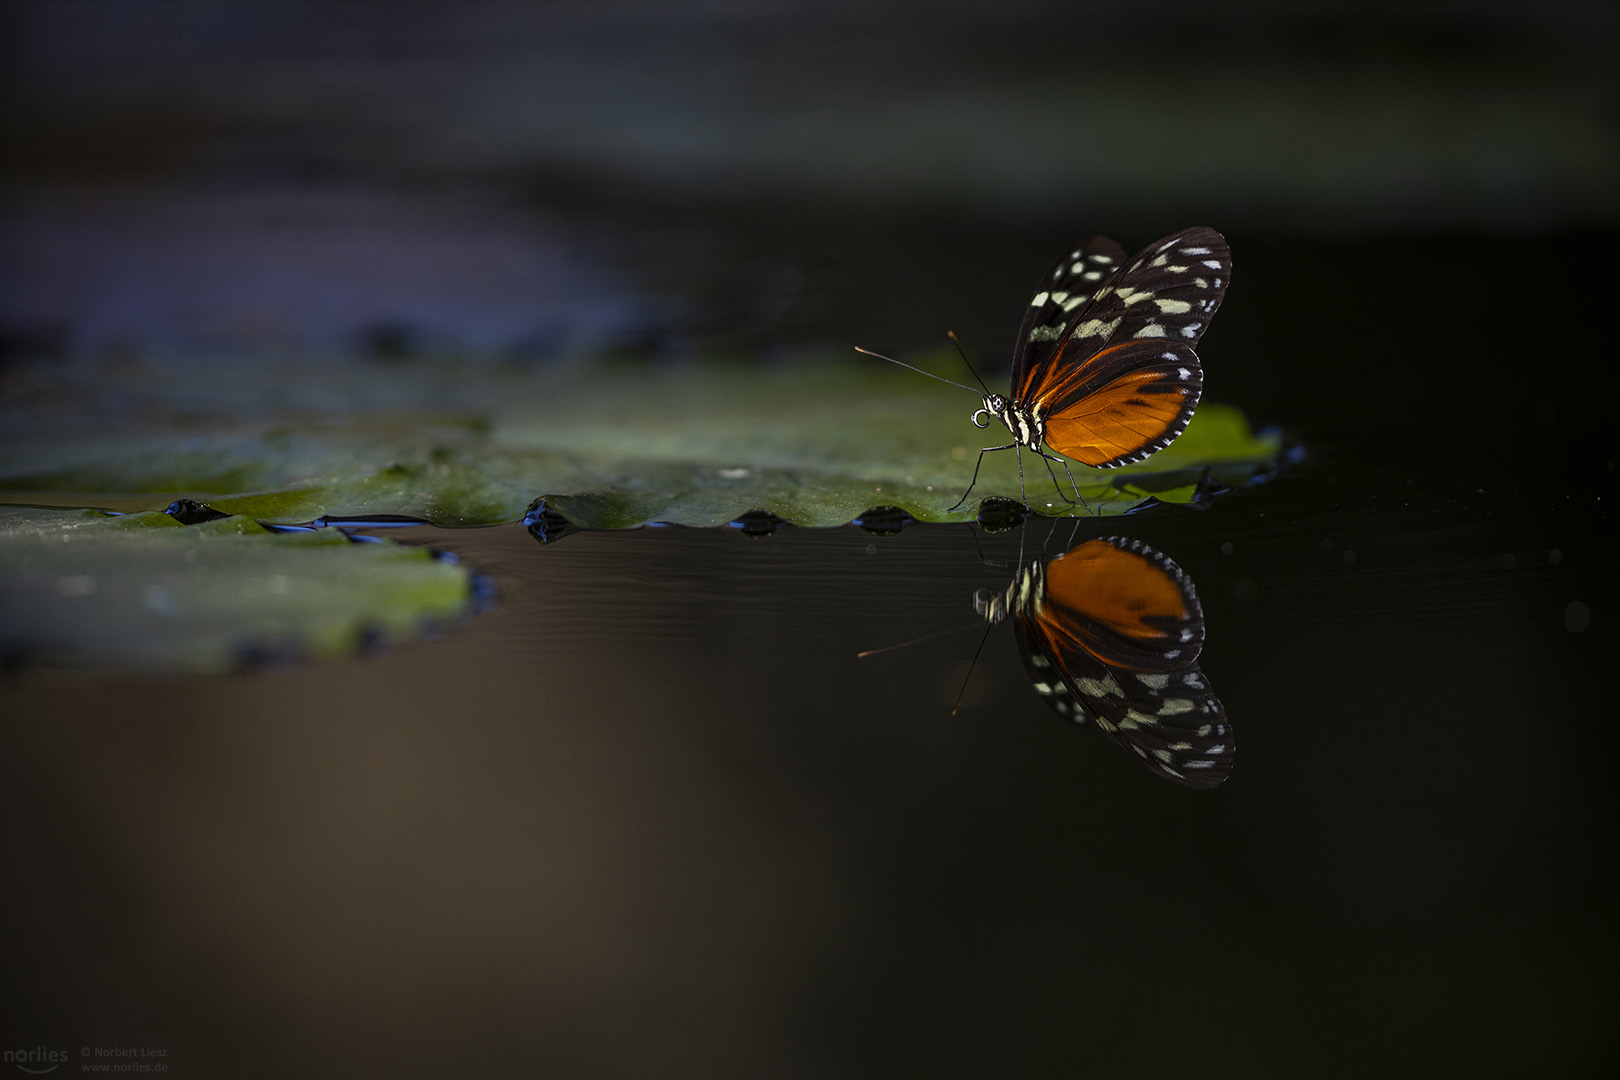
(1577, 617)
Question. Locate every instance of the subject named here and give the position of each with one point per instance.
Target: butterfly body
(1104, 370)
(1023, 421)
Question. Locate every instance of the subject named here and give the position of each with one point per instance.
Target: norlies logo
(38, 1061)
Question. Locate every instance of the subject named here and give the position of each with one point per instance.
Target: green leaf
(82, 588)
(609, 447)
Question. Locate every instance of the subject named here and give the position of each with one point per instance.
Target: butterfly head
(994, 405)
(1023, 594)
(990, 606)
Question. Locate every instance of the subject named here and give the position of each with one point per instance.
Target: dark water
(653, 816)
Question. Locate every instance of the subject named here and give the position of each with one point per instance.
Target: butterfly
(1103, 369)
(1110, 633)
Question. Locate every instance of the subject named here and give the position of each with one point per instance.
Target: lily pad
(612, 446)
(84, 588)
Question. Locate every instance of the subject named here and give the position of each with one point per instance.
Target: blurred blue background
(543, 179)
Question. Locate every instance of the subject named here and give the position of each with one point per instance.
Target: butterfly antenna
(919, 370)
(916, 641)
(969, 676)
(963, 354)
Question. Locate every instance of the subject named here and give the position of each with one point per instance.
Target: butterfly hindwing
(1126, 604)
(1066, 287)
(1119, 405)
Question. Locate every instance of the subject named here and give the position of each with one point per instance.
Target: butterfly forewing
(1047, 681)
(1168, 290)
(1171, 721)
(1066, 288)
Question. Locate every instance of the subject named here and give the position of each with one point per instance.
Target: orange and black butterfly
(1104, 370)
(1110, 632)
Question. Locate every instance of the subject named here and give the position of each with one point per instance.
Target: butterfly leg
(975, 480)
(1023, 496)
(1076, 487)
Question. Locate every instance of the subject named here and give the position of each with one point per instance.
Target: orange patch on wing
(1123, 591)
(1120, 420)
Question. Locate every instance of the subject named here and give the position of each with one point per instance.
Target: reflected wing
(1124, 603)
(1045, 677)
(1170, 721)
(1122, 380)
(1114, 638)
(1066, 287)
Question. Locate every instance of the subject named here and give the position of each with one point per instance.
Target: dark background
(649, 816)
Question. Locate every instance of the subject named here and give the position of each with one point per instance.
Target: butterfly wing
(1066, 287)
(1115, 641)
(1126, 604)
(1044, 675)
(1171, 722)
(1169, 289)
(1122, 381)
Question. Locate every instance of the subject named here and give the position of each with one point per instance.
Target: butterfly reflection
(1110, 633)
